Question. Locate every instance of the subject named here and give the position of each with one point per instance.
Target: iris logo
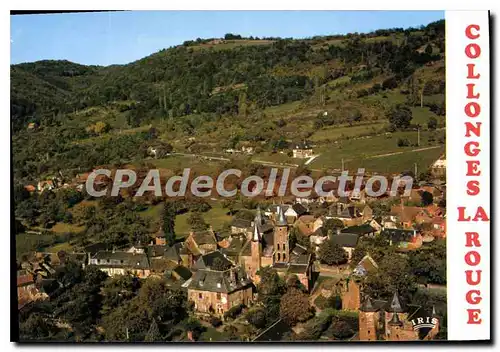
(424, 322)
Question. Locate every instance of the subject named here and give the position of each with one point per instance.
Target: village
(232, 188)
(327, 247)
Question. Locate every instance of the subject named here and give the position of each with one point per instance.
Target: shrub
(215, 321)
(233, 312)
(257, 317)
(403, 142)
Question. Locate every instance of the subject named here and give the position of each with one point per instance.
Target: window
(200, 295)
(284, 247)
(284, 256)
(278, 246)
(218, 296)
(279, 256)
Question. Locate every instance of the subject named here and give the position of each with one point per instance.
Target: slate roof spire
(368, 305)
(395, 320)
(256, 233)
(258, 217)
(281, 221)
(397, 305)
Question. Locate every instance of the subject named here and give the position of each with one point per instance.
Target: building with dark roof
(348, 242)
(215, 292)
(122, 263)
(201, 242)
(207, 261)
(361, 230)
(240, 225)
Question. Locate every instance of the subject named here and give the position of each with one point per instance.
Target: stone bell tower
(281, 238)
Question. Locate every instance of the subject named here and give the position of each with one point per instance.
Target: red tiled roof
(23, 280)
(30, 188)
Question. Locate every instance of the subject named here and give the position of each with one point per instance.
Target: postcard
(251, 176)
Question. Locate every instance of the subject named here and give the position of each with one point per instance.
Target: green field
(335, 132)
(216, 217)
(359, 151)
(421, 116)
(398, 163)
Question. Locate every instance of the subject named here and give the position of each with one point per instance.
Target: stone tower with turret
(397, 326)
(369, 321)
(281, 238)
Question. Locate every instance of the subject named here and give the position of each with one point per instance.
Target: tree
(271, 289)
(332, 225)
(335, 302)
(230, 205)
(297, 237)
(341, 329)
(430, 264)
(394, 274)
(403, 142)
(432, 123)
(257, 317)
(196, 221)
(169, 222)
(81, 304)
(37, 327)
(245, 214)
(295, 307)
(390, 83)
(332, 254)
(153, 333)
(117, 290)
(400, 116)
(427, 198)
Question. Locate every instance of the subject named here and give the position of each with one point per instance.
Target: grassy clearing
(421, 116)
(61, 227)
(399, 162)
(60, 247)
(282, 109)
(27, 243)
(354, 151)
(275, 158)
(230, 44)
(153, 212)
(216, 217)
(335, 132)
(196, 164)
(212, 335)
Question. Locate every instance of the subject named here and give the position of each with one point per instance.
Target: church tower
(369, 317)
(256, 250)
(281, 250)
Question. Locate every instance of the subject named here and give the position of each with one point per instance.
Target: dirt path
(407, 151)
